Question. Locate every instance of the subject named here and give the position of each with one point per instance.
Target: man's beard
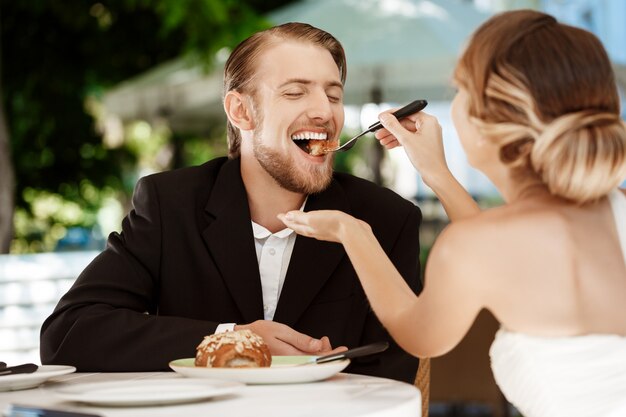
(306, 180)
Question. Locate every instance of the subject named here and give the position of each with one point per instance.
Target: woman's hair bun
(582, 155)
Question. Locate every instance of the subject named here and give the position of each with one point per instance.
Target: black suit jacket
(185, 262)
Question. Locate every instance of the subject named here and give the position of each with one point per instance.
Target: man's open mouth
(314, 143)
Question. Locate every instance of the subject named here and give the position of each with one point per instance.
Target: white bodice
(577, 376)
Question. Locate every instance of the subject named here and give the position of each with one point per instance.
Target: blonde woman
(537, 111)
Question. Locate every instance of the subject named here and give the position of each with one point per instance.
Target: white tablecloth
(344, 395)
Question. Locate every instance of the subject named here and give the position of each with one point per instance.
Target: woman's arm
(426, 326)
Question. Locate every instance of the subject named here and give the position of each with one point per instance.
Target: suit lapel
(230, 241)
(312, 261)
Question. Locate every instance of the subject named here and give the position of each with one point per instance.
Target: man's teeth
(309, 136)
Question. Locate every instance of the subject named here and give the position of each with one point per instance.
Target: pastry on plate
(236, 349)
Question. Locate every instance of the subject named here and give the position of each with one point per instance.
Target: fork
(411, 108)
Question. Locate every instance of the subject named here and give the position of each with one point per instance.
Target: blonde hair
(546, 93)
(240, 68)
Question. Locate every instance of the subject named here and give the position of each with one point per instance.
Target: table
(344, 395)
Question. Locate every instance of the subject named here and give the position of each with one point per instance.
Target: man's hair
(546, 93)
(240, 69)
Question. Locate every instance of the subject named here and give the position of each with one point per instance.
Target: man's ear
(238, 111)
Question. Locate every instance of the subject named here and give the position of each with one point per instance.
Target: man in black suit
(202, 251)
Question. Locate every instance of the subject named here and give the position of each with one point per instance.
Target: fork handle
(411, 108)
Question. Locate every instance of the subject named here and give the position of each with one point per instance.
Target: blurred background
(95, 94)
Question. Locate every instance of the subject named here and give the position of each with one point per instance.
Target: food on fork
(321, 147)
(236, 349)
(314, 143)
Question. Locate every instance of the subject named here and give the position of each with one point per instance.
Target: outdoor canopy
(397, 51)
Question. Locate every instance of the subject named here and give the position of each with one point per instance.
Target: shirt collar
(261, 232)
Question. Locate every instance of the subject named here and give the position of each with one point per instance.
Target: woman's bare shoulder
(498, 231)
(467, 240)
(481, 226)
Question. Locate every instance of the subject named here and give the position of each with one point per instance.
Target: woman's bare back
(550, 268)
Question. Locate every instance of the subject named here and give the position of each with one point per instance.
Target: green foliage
(57, 54)
(199, 150)
(49, 214)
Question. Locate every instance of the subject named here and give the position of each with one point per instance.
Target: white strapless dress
(578, 376)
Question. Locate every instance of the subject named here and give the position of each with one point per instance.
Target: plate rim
(282, 374)
(281, 366)
(80, 392)
(42, 374)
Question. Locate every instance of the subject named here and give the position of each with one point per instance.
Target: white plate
(284, 370)
(41, 375)
(146, 392)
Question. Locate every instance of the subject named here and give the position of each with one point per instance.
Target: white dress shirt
(273, 251)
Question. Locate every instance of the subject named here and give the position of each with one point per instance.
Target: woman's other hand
(329, 225)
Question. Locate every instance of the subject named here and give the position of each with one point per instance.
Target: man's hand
(283, 340)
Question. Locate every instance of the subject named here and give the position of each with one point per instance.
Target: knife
(26, 368)
(351, 353)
